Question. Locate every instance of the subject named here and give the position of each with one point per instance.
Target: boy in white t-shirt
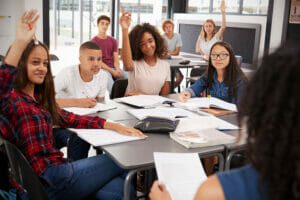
(85, 84)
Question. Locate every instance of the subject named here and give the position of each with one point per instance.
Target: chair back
(119, 88)
(23, 172)
(239, 60)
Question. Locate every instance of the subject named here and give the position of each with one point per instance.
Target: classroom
(159, 100)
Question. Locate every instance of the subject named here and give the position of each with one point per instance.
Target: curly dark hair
(232, 74)
(44, 91)
(135, 37)
(271, 112)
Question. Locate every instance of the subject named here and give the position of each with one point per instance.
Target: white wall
(15, 8)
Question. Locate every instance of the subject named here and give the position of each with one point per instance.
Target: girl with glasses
(224, 79)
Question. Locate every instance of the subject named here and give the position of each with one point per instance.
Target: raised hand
(125, 20)
(26, 26)
(223, 6)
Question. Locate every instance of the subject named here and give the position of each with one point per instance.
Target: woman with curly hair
(142, 50)
(270, 114)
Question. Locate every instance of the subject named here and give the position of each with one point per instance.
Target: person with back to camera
(224, 79)
(28, 103)
(209, 35)
(270, 115)
(142, 51)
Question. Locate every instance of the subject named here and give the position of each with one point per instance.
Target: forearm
(165, 90)
(15, 52)
(107, 68)
(126, 51)
(175, 52)
(70, 102)
(116, 61)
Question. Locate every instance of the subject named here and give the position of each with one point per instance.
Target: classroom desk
(175, 64)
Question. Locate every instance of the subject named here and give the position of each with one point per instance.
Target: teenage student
(85, 84)
(28, 103)
(174, 44)
(270, 114)
(109, 47)
(209, 35)
(142, 51)
(224, 79)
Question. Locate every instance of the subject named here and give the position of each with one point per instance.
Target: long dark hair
(232, 74)
(271, 113)
(135, 37)
(45, 92)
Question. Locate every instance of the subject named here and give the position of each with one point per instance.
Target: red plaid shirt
(32, 125)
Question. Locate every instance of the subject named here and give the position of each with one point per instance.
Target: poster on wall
(295, 12)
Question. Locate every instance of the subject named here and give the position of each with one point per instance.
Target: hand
(222, 6)
(123, 130)
(159, 192)
(125, 20)
(184, 96)
(26, 26)
(87, 102)
(117, 73)
(205, 57)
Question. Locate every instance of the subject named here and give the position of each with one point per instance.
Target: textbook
(207, 102)
(202, 138)
(87, 111)
(101, 137)
(182, 173)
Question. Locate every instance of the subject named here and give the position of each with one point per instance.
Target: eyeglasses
(221, 56)
(92, 59)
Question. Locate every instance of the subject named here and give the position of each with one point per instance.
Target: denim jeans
(77, 148)
(96, 177)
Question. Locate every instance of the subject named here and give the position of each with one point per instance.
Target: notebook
(87, 111)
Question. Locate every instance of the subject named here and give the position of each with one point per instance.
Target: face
(209, 28)
(37, 65)
(147, 44)
(168, 28)
(90, 61)
(103, 26)
(219, 57)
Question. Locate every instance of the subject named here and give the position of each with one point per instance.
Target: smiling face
(103, 26)
(219, 57)
(37, 65)
(90, 61)
(209, 28)
(147, 44)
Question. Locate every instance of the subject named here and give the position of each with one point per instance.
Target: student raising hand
(125, 20)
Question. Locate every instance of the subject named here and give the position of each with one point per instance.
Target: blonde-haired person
(174, 43)
(209, 35)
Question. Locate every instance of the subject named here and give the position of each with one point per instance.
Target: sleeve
(7, 76)
(197, 87)
(240, 91)
(179, 41)
(61, 83)
(71, 120)
(115, 45)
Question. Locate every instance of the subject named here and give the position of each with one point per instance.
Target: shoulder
(67, 73)
(210, 190)
(111, 39)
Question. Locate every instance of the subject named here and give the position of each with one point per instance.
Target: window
(198, 6)
(258, 7)
(232, 6)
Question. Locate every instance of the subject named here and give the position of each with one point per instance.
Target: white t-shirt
(68, 84)
(206, 45)
(148, 79)
(174, 42)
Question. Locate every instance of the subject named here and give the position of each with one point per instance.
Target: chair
(1, 58)
(23, 172)
(195, 74)
(239, 60)
(53, 57)
(119, 88)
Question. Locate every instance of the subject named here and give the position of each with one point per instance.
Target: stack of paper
(207, 102)
(87, 111)
(202, 138)
(145, 100)
(100, 137)
(182, 173)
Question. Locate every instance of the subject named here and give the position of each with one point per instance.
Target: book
(87, 111)
(207, 102)
(101, 137)
(182, 173)
(145, 101)
(202, 138)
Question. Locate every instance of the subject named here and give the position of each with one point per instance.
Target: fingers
(135, 132)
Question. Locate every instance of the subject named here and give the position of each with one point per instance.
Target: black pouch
(156, 125)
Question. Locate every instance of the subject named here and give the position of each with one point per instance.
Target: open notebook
(101, 137)
(207, 102)
(145, 100)
(182, 173)
(87, 111)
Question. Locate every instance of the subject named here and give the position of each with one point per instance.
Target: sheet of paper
(182, 173)
(222, 104)
(196, 124)
(144, 100)
(86, 111)
(167, 112)
(101, 137)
